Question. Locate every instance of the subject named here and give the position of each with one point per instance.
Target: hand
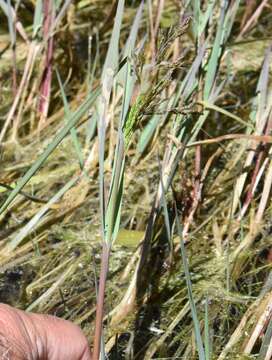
(27, 336)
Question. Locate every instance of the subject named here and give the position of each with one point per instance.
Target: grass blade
(73, 132)
(38, 18)
(206, 332)
(30, 226)
(199, 342)
(58, 138)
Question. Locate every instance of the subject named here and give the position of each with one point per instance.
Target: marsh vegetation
(137, 135)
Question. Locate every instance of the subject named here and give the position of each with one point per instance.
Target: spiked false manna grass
(140, 166)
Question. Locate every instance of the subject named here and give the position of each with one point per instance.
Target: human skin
(28, 336)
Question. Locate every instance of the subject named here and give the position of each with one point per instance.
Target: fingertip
(87, 355)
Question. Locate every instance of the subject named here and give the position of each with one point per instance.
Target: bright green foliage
(134, 116)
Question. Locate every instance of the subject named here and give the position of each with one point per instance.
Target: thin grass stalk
(100, 301)
(73, 131)
(32, 53)
(111, 210)
(161, 4)
(165, 212)
(250, 192)
(265, 316)
(47, 75)
(207, 332)
(197, 194)
(34, 48)
(112, 217)
(258, 111)
(269, 352)
(199, 342)
(12, 31)
(111, 207)
(267, 343)
(152, 31)
(253, 19)
(18, 25)
(239, 331)
(265, 194)
(18, 117)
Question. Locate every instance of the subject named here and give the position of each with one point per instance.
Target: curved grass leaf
(84, 107)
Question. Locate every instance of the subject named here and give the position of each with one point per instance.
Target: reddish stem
(197, 172)
(100, 301)
(249, 195)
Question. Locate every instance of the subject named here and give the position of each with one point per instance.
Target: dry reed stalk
(45, 87)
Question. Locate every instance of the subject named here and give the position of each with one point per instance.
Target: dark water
(13, 282)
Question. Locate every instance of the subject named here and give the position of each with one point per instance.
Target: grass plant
(136, 173)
